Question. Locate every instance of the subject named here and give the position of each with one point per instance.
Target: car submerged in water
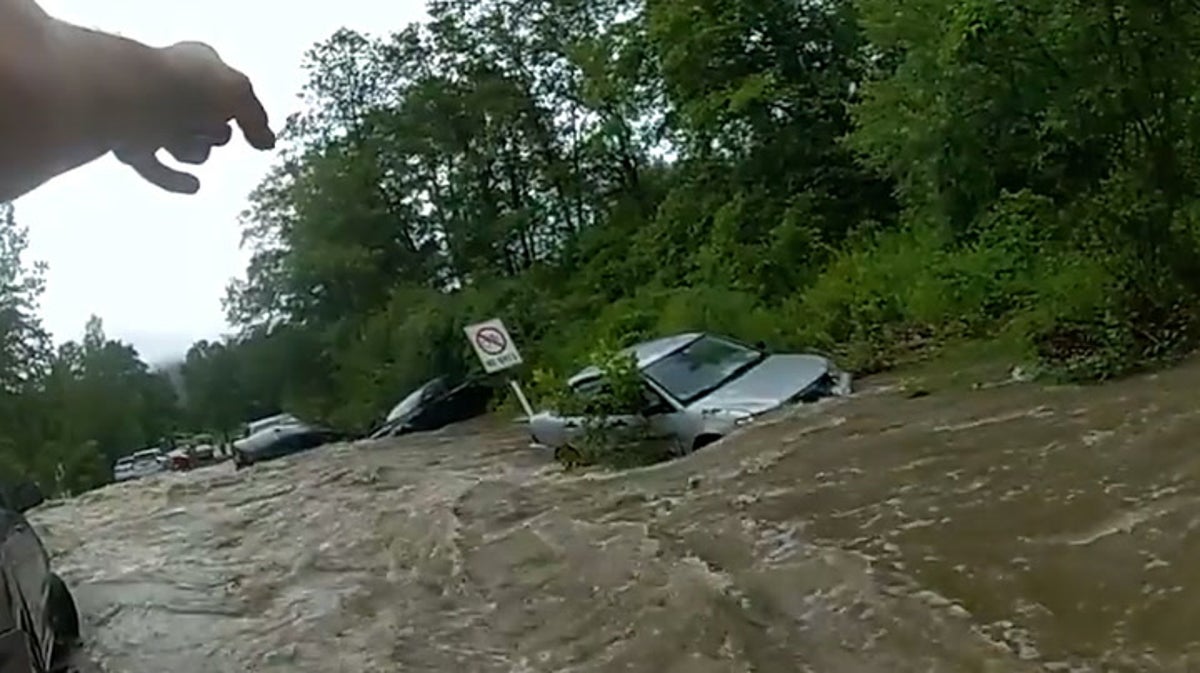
(439, 402)
(277, 441)
(141, 464)
(696, 389)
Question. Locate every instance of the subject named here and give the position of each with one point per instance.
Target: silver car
(139, 465)
(698, 388)
(278, 420)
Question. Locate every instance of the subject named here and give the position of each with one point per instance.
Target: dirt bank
(1018, 528)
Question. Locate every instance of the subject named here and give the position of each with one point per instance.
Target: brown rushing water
(1012, 529)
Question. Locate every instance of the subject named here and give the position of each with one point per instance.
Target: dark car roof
(443, 385)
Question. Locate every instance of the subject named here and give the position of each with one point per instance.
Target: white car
(140, 464)
(698, 388)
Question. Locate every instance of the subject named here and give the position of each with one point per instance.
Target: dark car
(280, 441)
(39, 624)
(434, 405)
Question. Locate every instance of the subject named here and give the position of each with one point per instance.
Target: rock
(959, 611)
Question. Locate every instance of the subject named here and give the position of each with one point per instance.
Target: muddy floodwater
(1017, 528)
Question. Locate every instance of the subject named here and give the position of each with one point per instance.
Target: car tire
(703, 441)
(64, 617)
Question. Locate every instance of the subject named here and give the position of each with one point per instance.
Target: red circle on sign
(491, 340)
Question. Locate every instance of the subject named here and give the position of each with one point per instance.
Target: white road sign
(493, 345)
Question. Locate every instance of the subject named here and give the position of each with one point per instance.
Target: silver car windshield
(701, 367)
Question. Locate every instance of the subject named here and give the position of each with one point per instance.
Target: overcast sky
(154, 266)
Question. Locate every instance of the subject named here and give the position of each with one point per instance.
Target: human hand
(184, 106)
(72, 95)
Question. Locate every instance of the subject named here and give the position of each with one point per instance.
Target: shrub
(619, 394)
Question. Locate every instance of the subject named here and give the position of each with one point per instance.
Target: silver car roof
(271, 434)
(271, 420)
(645, 353)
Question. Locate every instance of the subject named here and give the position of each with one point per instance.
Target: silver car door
(665, 420)
(621, 425)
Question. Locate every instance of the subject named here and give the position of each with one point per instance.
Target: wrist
(40, 114)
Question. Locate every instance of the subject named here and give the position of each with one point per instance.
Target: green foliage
(66, 415)
(860, 178)
(508, 158)
(1086, 107)
(619, 392)
(864, 178)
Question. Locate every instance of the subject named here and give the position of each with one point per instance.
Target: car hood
(775, 381)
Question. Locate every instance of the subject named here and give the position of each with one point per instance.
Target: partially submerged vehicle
(141, 464)
(436, 404)
(257, 426)
(281, 440)
(39, 624)
(192, 457)
(696, 389)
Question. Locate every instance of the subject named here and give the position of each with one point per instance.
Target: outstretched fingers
(190, 114)
(195, 148)
(152, 170)
(251, 116)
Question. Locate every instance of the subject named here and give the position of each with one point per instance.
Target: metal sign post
(516, 387)
(497, 352)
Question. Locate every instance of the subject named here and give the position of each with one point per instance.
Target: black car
(280, 441)
(39, 625)
(436, 404)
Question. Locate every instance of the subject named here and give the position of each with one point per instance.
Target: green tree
(541, 159)
(108, 398)
(213, 387)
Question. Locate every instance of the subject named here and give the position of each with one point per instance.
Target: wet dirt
(1018, 528)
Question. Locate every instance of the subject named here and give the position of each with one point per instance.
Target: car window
(406, 405)
(701, 367)
(592, 392)
(654, 403)
(651, 403)
(282, 443)
(261, 424)
(414, 399)
(434, 389)
(589, 387)
(309, 440)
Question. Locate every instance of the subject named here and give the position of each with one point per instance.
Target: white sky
(154, 266)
